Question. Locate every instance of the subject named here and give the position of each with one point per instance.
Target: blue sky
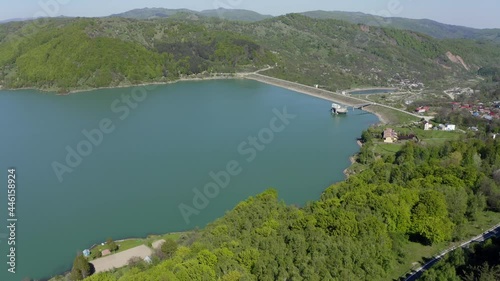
(479, 13)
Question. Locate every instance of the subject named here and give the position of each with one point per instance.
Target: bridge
(361, 106)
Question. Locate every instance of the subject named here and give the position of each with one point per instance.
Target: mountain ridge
(426, 26)
(429, 27)
(76, 53)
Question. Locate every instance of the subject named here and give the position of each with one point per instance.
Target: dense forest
(358, 230)
(95, 52)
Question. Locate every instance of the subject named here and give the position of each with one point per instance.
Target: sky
(478, 14)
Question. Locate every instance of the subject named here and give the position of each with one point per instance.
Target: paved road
(494, 231)
(329, 95)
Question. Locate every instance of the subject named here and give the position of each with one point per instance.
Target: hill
(235, 15)
(227, 14)
(425, 26)
(87, 53)
(83, 53)
(429, 27)
(365, 228)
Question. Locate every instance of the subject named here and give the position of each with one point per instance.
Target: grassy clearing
(392, 116)
(426, 137)
(387, 148)
(134, 242)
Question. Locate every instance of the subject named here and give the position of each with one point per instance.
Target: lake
(121, 162)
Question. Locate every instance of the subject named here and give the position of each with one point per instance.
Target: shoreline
(218, 76)
(224, 76)
(293, 86)
(316, 92)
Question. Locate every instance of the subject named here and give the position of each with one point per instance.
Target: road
(414, 275)
(321, 93)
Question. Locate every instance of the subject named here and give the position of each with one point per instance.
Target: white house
(428, 126)
(450, 127)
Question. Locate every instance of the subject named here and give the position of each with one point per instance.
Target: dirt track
(120, 259)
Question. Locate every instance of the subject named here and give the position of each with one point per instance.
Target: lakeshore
(379, 110)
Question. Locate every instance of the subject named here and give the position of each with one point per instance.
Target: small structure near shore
(390, 136)
(338, 109)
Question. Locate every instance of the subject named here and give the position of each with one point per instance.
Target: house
(422, 109)
(428, 126)
(390, 136)
(450, 127)
(106, 252)
(86, 252)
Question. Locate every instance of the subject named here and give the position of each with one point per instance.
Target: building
(422, 109)
(450, 127)
(390, 136)
(428, 126)
(86, 252)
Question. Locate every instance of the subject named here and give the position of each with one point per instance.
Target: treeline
(479, 262)
(89, 53)
(78, 53)
(358, 230)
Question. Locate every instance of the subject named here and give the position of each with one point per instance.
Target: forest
(479, 262)
(82, 53)
(358, 230)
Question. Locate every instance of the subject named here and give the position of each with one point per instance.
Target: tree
(111, 245)
(96, 253)
(81, 268)
(168, 248)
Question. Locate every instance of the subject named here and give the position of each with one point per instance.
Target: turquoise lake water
(157, 150)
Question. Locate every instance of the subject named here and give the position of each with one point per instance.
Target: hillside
(86, 53)
(425, 26)
(365, 228)
(89, 53)
(227, 14)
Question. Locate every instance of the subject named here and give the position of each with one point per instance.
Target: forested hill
(222, 13)
(359, 230)
(87, 53)
(425, 26)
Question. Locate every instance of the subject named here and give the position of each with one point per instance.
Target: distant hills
(76, 53)
(425, 26)
(227, 14)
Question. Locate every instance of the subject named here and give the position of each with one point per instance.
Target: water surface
(132, 183)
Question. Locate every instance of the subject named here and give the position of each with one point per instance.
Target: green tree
(81, 268)
(112, 246)
(168, 248)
